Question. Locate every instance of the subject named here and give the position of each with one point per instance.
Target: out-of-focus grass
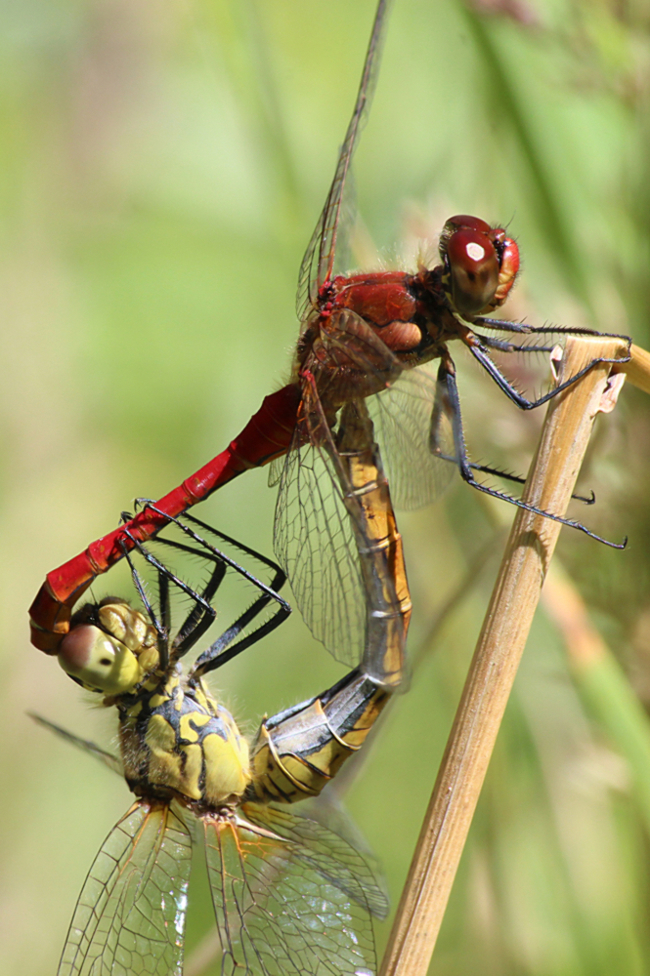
(162, 167)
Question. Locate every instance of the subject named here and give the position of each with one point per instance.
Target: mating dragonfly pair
(288, 898)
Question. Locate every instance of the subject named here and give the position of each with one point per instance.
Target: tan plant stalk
(528, 552)
(638, 368)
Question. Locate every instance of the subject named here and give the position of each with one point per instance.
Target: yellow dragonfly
(290, 896)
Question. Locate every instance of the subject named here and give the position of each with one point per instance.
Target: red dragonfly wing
(314, 543)
(358, 361)
(402, 417)
(314, 538)
(318, 262)
(409, 411)
(290, 896)
(130, 916)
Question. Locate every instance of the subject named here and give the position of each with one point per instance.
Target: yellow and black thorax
(176, 740)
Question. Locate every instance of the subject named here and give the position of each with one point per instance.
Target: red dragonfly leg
(267, 435)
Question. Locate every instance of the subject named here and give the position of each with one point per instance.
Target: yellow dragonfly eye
(101, 662)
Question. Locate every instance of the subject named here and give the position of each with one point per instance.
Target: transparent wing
(349, 360)
(328, 853)
(130, 916)
(314, 537)
(291, 898)
(402, 416)
(314, 544)
(318, 262)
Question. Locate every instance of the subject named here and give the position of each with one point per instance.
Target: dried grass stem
(528, 552)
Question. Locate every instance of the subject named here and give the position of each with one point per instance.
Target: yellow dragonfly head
(110, 647)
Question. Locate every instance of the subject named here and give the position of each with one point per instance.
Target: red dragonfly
(361, 336)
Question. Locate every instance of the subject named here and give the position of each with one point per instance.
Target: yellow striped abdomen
(298, 752)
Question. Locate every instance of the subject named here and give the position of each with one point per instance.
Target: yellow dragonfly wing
(291, 898)
(130, 916)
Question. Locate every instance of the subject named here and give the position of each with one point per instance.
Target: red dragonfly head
(480, 265)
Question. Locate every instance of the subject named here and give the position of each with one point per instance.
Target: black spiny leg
(442, 408)
(447, 399)
(165, 614)
(202, 612)
(279, 577)
(202, 615)
(504, 346)
(199, 619)
(478, 349)
(162, 631)
(221, 652)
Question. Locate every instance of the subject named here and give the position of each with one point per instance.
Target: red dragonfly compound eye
(481, 264)
(509, 266)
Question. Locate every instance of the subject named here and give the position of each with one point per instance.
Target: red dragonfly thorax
(411, 314)
(386, 301)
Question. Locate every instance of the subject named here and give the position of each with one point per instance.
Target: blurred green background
(163, 165)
